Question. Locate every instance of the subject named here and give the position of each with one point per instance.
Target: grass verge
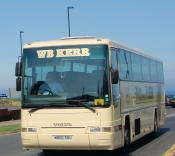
(10, 129)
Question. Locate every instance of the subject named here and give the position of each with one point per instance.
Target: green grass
(10, 129)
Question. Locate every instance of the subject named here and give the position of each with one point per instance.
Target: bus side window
(114, 71)
(136, 67)
(146, 75)
(154, 72)
(115, 86)
(125, 65)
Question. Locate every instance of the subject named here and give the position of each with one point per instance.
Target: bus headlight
(100, 129)
(29, 130)
(23, 129)
(94, 129)
(106, 129)
(32, 129)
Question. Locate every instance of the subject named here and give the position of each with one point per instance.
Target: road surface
(162, 145)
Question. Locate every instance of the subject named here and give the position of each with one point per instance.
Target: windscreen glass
(59, 74)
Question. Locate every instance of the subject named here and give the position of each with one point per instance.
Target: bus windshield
(55, 75)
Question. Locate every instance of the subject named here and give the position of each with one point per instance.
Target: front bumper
(100, 141)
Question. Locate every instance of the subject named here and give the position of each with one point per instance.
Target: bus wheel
(154, 133)
(126, 138)
(127, 132)
(155, 125)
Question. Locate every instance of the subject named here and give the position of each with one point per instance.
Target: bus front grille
(63, 130)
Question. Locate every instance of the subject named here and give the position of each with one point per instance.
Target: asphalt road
(10, 145)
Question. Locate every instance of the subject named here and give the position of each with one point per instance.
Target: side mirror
(18, 69)
(114, 76)
(18, 84)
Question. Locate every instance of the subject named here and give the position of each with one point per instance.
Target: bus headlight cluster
(29, 129)
(100, 129)
(95, 129)
(106, 129)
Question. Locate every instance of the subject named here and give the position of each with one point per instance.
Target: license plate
(63, 137)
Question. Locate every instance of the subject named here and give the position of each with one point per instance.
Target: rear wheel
(155, 125)
(154, 134)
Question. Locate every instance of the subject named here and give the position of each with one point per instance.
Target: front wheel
(126, 140)
(126, 137)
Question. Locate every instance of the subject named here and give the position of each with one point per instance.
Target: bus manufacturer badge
(62, 124)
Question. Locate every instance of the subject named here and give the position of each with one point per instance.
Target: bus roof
(83, 41)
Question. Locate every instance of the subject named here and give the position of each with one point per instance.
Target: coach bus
(88, 93)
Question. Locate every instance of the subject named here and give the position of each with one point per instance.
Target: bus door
(116, 98)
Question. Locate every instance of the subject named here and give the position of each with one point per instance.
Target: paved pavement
(161, 145)
(10, 122)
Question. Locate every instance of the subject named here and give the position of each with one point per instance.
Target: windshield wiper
(66, 104)
(51, 105)
(81, 103)
(27, 76)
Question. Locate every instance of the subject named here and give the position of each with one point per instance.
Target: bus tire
(155, 130)
(126, 137)
(127, 140)
(155, 124)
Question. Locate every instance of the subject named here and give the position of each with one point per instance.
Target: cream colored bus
(88, 93)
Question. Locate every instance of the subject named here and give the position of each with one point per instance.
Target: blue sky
(148, 25)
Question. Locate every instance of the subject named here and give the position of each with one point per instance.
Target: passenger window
(136, 67)
(154, 77)
(145, 69)
(160, 72)
(125, 65)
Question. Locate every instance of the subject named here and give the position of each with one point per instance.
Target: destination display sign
(74, 52)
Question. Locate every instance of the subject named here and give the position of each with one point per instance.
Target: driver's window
(114, 59)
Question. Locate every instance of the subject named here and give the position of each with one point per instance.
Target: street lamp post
(21, 41)
(68, 8)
